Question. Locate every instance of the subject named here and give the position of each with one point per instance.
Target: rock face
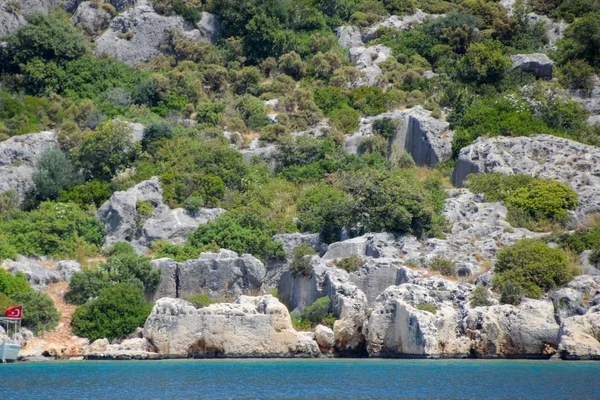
(91, 18)
(428, 140)
(590, 102)
(220, 275)
(150, 31)
(538, 64)
(375, 245)
(544, 156)
(124, 223)
(38, 277)
(129, 349)
(579, 336)
(14, 14)
(250, 327)
(367, 59)
(376, 276)
(18, 158)
(292, 240)
(349, 36)
(398, 23)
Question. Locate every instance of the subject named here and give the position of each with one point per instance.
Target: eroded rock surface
(250, 327)
(539, 64)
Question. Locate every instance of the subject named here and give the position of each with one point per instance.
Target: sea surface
(301, 379)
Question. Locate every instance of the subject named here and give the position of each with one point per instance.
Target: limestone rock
(292, 240)
(18, 158)
(250, 327)
(538, 64)
(544, 156)
(123, 224)
(555, 30)
(398, 23)
(37, 276)
(503, 330)
(376, 276)
(366, 60)
(567, 303)
(325, 338)
(91, 18)
(349, 36)
(98, 346)
(121, 5)
(150, 32)
(579, 337)
(372, 245)
(590, 102)
(14, 14)
(66, 269)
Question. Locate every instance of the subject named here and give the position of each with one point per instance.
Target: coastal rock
(140, 33)
(129, 349)
(91, 18)
(19, 156)
(579, 337)
(250, 327)
(219, 275)
(376, 276)
(325, 338)
(567, 303)
(539, 64)
(504, 330)
(349, 36)
(124, 223)
(544, 156)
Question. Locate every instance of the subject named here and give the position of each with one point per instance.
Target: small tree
(480, 297)
(156, 132)
(301, 264)
(117, 311)
(54, 172)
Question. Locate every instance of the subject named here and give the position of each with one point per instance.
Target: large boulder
(349, 36)
(398, 23)
(371, 245)
(91, 18)
(544, 156)
(539, 64)
(140, 33)
(504, 330)
(220, 275)
(124, 223)
(38, 277)
(579, 336)
(250, 327)
(18, 158)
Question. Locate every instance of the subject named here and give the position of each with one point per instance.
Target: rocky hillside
(257, 178)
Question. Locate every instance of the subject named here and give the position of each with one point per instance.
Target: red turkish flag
(14, 312)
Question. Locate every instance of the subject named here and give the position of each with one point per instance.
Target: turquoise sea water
(302, 379)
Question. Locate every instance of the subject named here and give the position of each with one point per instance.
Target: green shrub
(210, 113)
(330, 98)
(274, 133)
(369, 100)
(480, 297)
(485, 63)
(532, 266)
(577, 74)
(9, 201)
(301, 263)
(55, 229)
(318, 311)
(193, 203)
(201, 300)
(324, 209)
(385, 127)
(165, 249)
(427, 307)
(5, 302)
(230, 231)
(128, 267)
(582, 40)
(442, 265)
(11, 285)
(117, 311)
(106, 150)
(350, 264)
(253, 111)
(90, 193)
(85, 285)
(533, 203)
(39, 312)
(577, 241)
(54, 172)
(346, 119)
(155, 132)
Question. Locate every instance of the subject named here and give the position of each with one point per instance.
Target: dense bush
(480, 297)
(577, 241)
(533, 203)
(582, 40)
(156, 132)
(531, 266)
(324, 209)
(117, 311)
(39, 312)
(54, 172)
(201, 300)
(443, 265)
(350, 264)
(11, 285)
(55, 230)
(93, 192)
(105, 151)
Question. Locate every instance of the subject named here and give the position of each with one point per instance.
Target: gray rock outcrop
(539, 64)
(66, 269)
(139, 33)
(544, 156)
(18, 158)
(375, 245)
(590, 102)
(14, 13)
(38, 277)
(250, 327)
(292, 240)
(124, 223)
(428, 140)
(579, 336)
(219, 275)
(129, 349)
(367, 59)
(93, 20)
(398, 23)
(349, 36)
